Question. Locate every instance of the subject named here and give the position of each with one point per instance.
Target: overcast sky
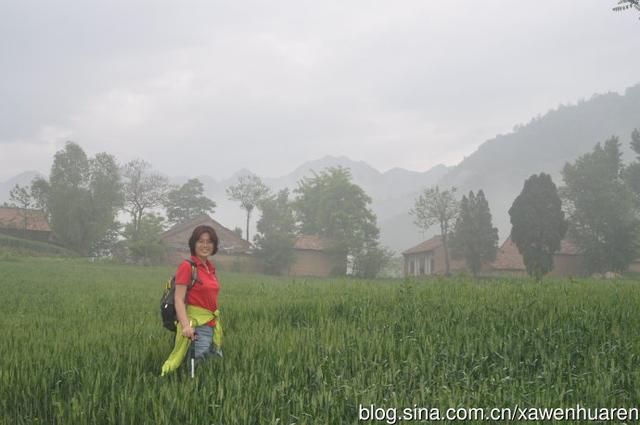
(209, 87)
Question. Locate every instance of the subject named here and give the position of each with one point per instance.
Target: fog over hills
(392, 192)
(499, 167)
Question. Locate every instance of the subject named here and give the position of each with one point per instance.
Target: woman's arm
(181, 311)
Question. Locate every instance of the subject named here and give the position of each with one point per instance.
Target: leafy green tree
(538, 224)
(474, 238)
(187, 202)
(436, 207)
(238, 231)
(106, 197)
(143, 243)
(330, 205)
(82, 197)
(276, 232)
(144, 190)
(601, 208)
(249, 192)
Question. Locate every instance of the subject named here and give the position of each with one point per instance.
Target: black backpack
(167, 307)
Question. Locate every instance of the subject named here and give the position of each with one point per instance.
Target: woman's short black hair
(197, 232)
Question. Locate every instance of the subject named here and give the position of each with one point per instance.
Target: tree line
(598, 209)
(83, 198)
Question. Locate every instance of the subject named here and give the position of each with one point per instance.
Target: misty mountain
(392, 192)
(502, 164)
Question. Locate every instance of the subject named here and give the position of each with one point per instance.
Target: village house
(567, 261)
(25, 224)
(427, 258)
(234, 253)
(312, 257)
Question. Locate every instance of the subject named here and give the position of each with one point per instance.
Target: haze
(210, 87)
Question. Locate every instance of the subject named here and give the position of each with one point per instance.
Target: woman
(197, 318)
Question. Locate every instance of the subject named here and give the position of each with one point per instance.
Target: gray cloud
(266, 85)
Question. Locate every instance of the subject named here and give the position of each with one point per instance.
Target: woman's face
(204, 245)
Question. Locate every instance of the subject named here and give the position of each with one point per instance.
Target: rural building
(566, 262)
(234, 253)
(25, 224)
(312, 257)
(427, 258)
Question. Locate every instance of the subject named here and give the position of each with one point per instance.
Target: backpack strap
(194, 274)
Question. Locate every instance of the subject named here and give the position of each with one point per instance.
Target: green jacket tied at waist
(197, 316)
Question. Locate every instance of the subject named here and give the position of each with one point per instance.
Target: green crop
(82, 343)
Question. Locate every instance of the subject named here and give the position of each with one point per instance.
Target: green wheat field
(82, 343)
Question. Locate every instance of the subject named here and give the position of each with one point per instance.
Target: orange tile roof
(14, 218)
(508, 257)
(428, 245)
(230, 242)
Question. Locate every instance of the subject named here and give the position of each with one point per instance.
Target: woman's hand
(188, 332)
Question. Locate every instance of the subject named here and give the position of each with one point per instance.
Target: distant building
(25, 224)
(234, 253)
(427, 258)
(312, 257)
(567, 261)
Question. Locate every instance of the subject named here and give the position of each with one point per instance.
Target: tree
(631, 174)
(187, 202)
(601, 208)
(106, 198)
(81, 198)
(538, 224)
(21, 199)
(330, 205)
(238, 231)
(626, 5)
(143, 242)
(144, 190)
(474, 237)
(276, 232)
(249, 192)
(40, 190)
(436, 207)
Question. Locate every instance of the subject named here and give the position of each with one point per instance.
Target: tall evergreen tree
(538, 224)
(474, 238)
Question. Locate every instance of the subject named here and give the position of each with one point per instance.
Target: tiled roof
(508, 257)
(14, 218)
(312, 243)
(428, 245)
(229, 241)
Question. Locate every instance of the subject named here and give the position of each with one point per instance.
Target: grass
(82, 344)
(12, 247)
